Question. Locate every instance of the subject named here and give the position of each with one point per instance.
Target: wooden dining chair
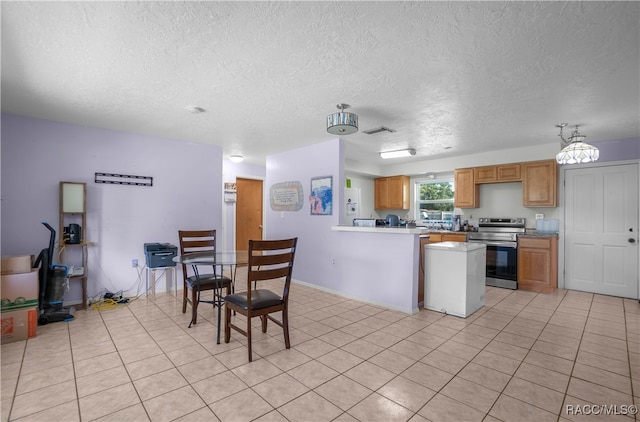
(268, 260)
(201, 241)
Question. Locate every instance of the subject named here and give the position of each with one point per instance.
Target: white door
(601, 230)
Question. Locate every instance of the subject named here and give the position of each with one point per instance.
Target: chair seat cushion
(259, 299)
(208, 281)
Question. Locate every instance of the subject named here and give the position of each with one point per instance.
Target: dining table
(215, 259)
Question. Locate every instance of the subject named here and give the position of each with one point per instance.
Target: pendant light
(342, 122)
(576, 152)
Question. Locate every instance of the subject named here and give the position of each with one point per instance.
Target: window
(434, 202)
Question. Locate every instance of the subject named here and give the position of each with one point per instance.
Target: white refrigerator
(454, 274)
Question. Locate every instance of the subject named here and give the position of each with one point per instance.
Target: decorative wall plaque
(286, 196)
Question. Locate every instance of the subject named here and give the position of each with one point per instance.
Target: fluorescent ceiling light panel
(398, 154)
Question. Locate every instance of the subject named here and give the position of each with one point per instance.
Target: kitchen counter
(384, 230)
(447, 232)
(534, 233)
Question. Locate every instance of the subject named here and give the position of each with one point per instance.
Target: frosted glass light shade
(397, 154)
(577, 153)
(72, 197)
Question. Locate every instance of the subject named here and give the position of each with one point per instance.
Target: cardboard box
(16, 264)
(19, 290)
(19, 325)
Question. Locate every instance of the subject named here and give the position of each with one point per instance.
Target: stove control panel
(501, 222)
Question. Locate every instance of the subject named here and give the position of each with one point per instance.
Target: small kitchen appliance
(501, 237)
(392, 220)
(364, 222)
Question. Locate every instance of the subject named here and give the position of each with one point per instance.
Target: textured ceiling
(450, 78)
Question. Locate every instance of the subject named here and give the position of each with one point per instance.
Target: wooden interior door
(248, 212)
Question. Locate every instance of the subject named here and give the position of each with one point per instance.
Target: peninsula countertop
(382, 230)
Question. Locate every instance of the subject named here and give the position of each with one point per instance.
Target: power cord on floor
(110, 301)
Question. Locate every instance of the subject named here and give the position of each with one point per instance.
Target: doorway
(248, 211)
(601, 229)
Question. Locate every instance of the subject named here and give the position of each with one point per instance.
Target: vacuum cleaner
(53, 280)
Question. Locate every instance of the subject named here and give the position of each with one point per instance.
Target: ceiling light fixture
(378, 129)
(342, 122)
(236, 158)
(196, 109)
(576, 152)
(397, 154)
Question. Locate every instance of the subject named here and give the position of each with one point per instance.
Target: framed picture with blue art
(321, 197)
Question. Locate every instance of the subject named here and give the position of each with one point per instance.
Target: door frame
(235, 211)
(561, 210)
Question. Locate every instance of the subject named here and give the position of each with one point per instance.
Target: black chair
(268, 260)
(201, 241)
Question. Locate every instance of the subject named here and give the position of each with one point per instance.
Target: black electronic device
(72, 234)
(160, 254)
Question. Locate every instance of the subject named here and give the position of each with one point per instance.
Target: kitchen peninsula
(379, 265)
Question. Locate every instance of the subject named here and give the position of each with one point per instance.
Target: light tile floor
(524, 356)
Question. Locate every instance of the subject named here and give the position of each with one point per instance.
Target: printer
(160, 254)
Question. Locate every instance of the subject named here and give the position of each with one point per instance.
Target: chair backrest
(270, 260)
(196, 241)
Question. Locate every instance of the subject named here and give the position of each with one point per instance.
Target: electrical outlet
(134, 262)
(539, 216)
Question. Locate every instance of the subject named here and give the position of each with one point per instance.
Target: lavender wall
(618, 149)
(38, 154)
(315, 239)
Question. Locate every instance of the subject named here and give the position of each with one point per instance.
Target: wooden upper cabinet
(498, 173)
(467, 192)
(391, 193)
(540, 183)
(381, 193)
(486, 174)
(509, 172)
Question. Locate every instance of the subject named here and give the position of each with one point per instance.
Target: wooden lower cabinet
(454, 237)
(538, 263)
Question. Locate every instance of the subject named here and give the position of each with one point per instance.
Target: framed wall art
(321, 197)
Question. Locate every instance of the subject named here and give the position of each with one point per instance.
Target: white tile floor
(524, 356)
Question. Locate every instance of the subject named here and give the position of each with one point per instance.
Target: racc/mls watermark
(601, 409)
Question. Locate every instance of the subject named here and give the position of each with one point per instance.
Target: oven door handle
(513, 245)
